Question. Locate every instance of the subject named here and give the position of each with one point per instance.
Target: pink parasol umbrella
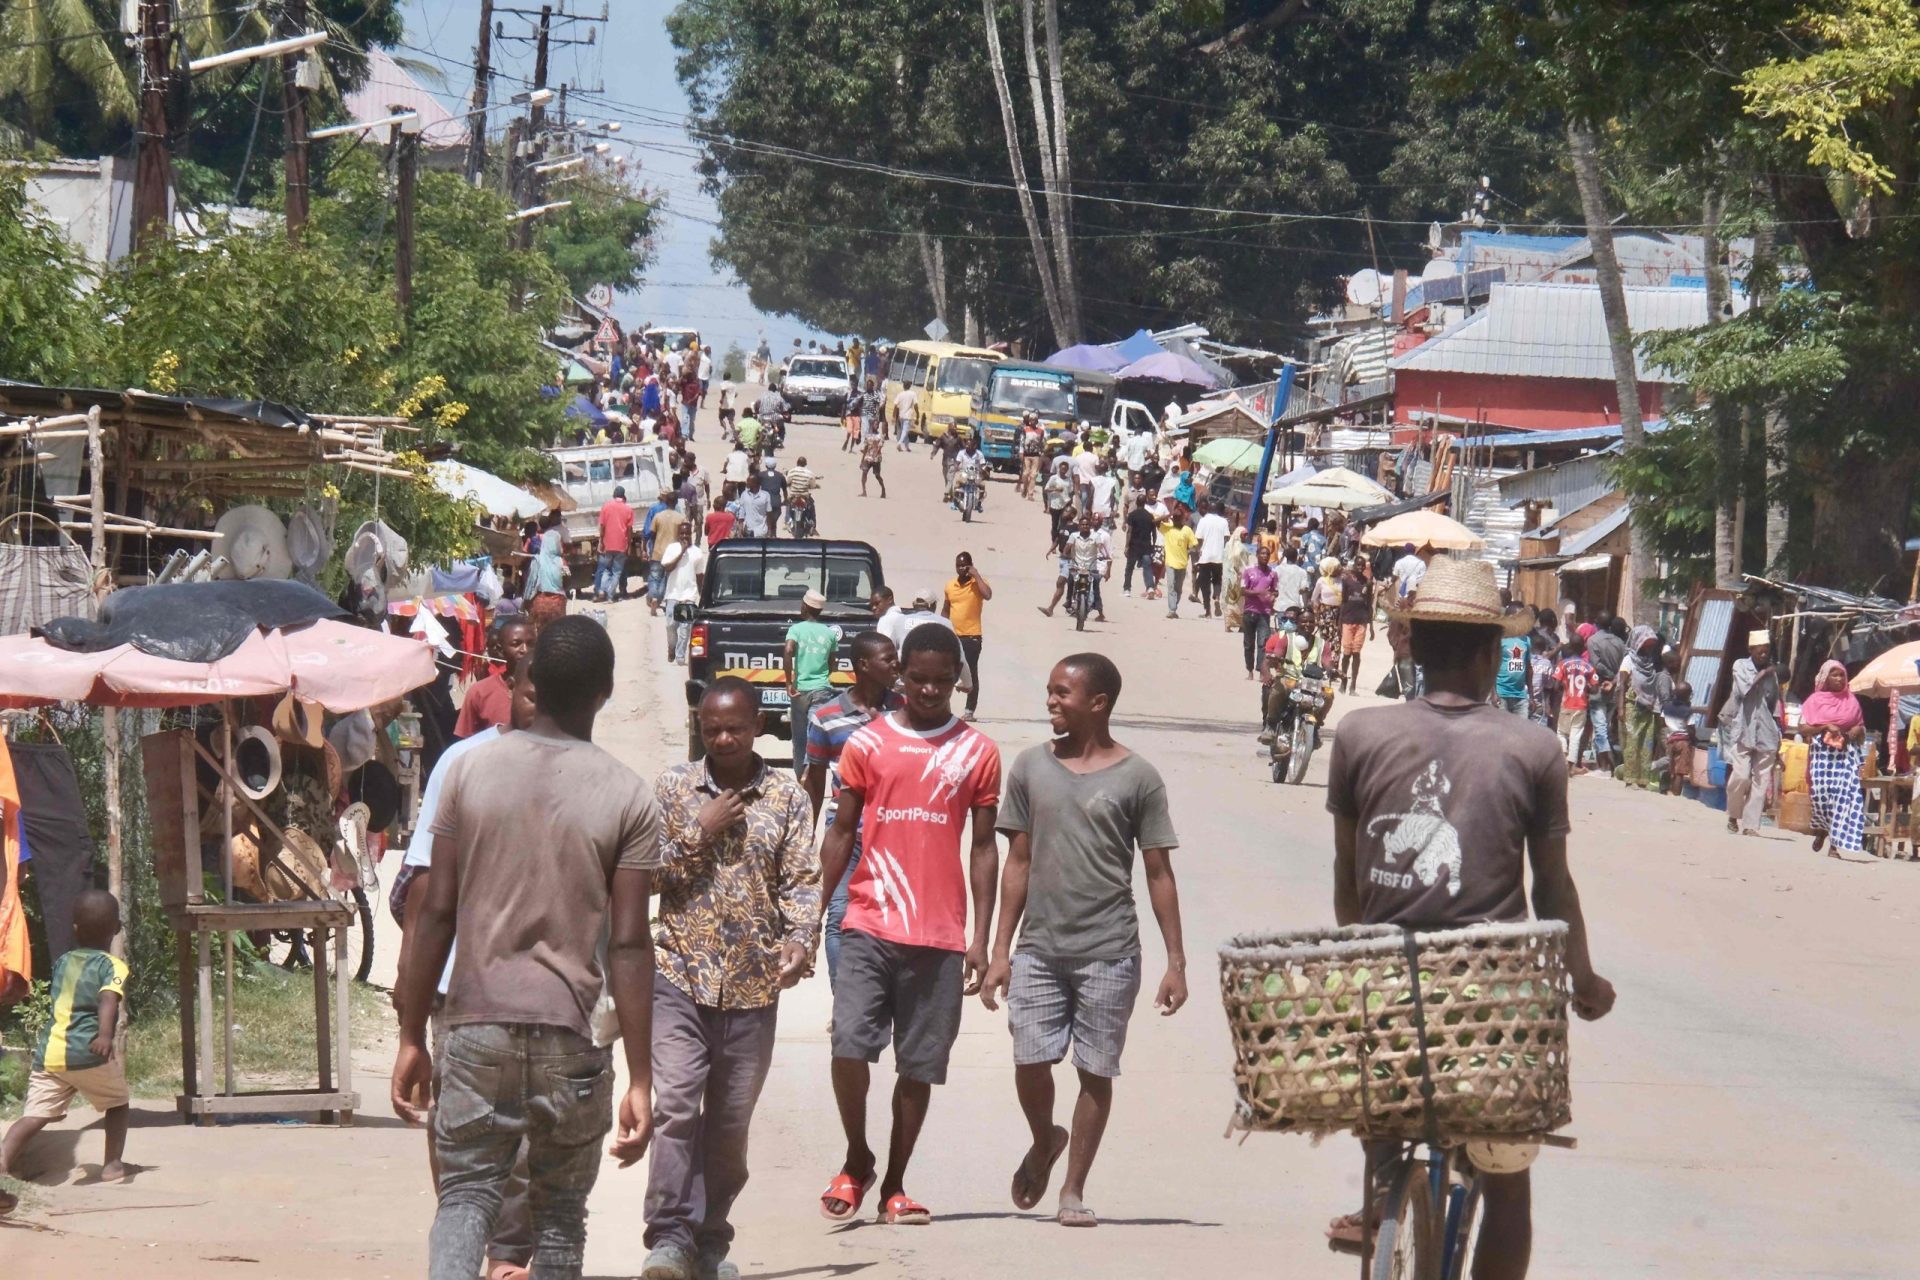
(339, 666)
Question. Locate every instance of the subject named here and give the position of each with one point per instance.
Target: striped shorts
(1051, 1002)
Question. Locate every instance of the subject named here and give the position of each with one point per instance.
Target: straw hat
(254, 542)
(304, 858)
(298, 721)
(1464, 592)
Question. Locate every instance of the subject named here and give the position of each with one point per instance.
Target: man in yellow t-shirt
(966, 594)
(1178, 540)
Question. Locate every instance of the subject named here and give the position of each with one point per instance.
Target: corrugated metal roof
(1573, 544)
(1361, 357)
(1554, 331)
(389, 89)
(1564, 486)
(1425, 293)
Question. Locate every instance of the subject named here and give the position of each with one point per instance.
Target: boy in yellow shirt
(1178, 540)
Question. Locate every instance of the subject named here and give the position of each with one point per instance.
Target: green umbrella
(1229, 455)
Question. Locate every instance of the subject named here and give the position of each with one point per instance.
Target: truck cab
(1015, 388)
(752, 595)
(590, 473)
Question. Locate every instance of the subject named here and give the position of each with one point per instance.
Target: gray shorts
(912, 994)
(1088, 1002)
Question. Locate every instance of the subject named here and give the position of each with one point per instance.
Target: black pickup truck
(752, 595)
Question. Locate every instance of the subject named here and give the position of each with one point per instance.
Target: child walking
(76, 1051)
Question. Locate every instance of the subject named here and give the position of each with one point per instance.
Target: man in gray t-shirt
(1076, 809)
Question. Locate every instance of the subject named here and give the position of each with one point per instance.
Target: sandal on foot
(1076, 1215)
(1038, 1187)
(904, 1211)
(845, 1189)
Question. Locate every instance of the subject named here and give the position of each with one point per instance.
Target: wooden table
(1889, 814)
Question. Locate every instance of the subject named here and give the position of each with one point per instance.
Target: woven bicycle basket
(1325, 1033)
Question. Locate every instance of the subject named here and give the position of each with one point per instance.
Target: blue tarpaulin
(581, 407)
(1139, 346)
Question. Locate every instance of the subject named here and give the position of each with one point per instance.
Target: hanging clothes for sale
(53, 817)
(16, 952)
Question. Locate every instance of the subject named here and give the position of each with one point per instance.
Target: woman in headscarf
(1648, 687)
(547, 580)
(1835, 730)
(1325, 599)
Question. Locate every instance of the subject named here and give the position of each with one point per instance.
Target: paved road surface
(1749, 1109)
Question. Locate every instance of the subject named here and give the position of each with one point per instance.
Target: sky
(632, 60)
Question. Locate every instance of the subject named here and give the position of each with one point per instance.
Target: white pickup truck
(816, 384)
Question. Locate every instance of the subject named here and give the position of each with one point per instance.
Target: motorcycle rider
(1288, 650)
(970, 467)
(1085, 552)
(947, 448)
(773, 410)
(803, 516)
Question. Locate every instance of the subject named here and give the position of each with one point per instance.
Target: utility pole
(153, 167)
(536, 124)
(293, 99)
(482, 76)
(407, 157)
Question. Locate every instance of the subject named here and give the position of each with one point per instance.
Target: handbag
(1389, 684)
(41, 582)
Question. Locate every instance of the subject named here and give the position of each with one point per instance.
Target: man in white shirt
(686, 568)
(1293, 582)
(1086, 465)
(1407, 571)
(739, 466)
(1139, 445)
(706, 374)
(898, 621)
(905, 405)
(1213, 531)
(1103, 487)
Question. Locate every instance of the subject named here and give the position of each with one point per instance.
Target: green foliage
(48, 328)
(604, 237)
(733, 364)
(1672, 482)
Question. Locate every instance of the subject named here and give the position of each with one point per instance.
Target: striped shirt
(80, 978)
(829, 725)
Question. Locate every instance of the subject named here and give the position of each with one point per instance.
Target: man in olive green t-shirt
(809, 661)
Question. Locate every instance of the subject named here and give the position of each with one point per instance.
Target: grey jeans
(802, 704)
(708, 1066)
(499, 1083)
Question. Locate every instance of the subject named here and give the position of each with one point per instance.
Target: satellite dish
(1439, 269)
(1365, 288)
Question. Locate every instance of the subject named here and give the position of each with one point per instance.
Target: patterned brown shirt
(727, 906)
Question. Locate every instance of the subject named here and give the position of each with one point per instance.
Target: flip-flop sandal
(1060, 1140)
(845, 1190)
(903, 1211)
(1076, 1216)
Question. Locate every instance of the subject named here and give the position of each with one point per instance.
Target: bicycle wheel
(1406, 1246)
(288, 948)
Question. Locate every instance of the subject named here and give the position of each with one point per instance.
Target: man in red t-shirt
(616, 539)
(909, 781)
(490, 700)
(719, 525)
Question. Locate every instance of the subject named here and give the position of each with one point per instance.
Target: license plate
(773, 697)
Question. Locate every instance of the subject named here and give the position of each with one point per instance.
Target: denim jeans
(610, 576)
(686, 420)
(678, 635)
(1601, 722)
(1514, 706)
(1145, 560)
(1176, 583)
(708, 1067)
(837, 913)
(798, 709)
(499, 1083)
(1254, 629)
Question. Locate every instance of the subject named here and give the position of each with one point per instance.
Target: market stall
(268, 658)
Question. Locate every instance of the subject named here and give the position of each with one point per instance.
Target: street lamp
(360, 126)
(523, 214)
(536, 98)
(292, 44)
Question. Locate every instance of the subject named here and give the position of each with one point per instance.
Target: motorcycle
(800, 519)
(1295, 717)
(1079, 597)
(966, 496)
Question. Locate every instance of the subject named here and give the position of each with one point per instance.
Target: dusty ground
(1747, 1111)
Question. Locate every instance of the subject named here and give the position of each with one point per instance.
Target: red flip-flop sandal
(845, 1190)
(903, 1211)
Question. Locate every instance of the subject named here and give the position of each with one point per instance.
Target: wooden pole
(110, 718)
(482, 84)
(153, 167)
(293, 100)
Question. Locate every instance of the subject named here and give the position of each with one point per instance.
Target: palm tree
(52, 51)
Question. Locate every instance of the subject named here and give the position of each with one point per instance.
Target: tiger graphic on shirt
(1423, 831)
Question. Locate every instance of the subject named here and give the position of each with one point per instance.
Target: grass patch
(272, 1039)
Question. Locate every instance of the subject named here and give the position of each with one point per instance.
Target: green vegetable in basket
(1275, 985)
(1376, 1001)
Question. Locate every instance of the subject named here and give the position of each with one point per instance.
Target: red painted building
(1536, 357)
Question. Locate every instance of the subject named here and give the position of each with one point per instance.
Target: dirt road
(1747, 1111)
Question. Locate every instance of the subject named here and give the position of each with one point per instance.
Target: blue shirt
(829, 725)
(646, 527)
(1515, 652)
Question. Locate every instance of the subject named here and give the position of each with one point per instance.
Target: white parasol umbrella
(497, 496)
(1336, 487)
